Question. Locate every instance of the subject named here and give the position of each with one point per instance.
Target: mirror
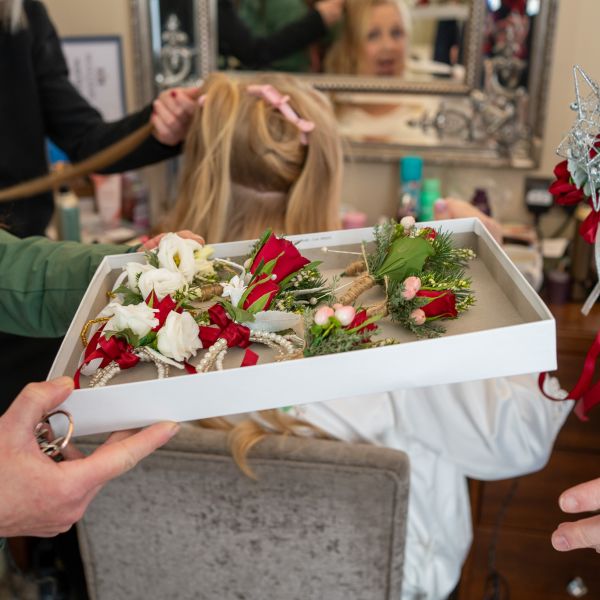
(461, 81)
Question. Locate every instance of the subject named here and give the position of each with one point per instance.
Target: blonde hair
(343, 58)
(246, 167)
(243, 436)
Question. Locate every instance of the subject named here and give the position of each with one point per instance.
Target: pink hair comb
(275, 98)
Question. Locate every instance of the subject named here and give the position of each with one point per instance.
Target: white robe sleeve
(492, 429)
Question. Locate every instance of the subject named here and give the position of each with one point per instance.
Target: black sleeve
(70, 121)
(235, 37)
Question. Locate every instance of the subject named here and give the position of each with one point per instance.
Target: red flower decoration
(164, 306)
(264, 286)
(589, 228)
(289, 261)
(429, 233)
(359, 319)
(441, 305)
(565, 192)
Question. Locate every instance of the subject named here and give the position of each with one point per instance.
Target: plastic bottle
(67, 204)
(429, 195)
(409, 196)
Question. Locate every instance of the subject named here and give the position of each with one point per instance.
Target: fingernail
(173, 94)
(175, 427)
(62, 382)
(568, 503)
(560, 542)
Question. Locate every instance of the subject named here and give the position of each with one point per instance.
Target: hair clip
(275, 98)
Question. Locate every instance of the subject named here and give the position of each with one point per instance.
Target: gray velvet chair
(326, 520)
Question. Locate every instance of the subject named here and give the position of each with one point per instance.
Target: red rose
(565, 192)
(265, 286)
(359, 319)
(289, 261)
(441, 305)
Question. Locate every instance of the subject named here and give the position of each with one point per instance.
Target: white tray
(509, 331)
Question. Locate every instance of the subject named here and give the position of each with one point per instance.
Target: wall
(97, 17)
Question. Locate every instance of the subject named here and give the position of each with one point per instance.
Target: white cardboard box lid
(509, 331)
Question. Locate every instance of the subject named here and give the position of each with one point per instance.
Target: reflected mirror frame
(205, 12)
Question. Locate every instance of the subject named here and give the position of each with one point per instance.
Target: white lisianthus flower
(235, 289)
(177, 255)
(134, 270)
(204, 266)
(162, 281)
(178, 337)
(137, 317)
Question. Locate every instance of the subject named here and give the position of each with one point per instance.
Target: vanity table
(533, 570)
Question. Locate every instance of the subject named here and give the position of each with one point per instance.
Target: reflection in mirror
(381, 38)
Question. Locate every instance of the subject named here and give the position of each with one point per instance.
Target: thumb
(119, 456)
(35, 401)
(441, 210)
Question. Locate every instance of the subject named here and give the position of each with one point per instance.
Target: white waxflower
(235, 289)
(162, 281)
(134, 270)
(204, 266)
(178, 337)
(137, 317)
(177, 255)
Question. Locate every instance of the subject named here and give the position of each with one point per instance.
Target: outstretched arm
(41, 497)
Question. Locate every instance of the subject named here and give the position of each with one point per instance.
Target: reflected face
(384, 48)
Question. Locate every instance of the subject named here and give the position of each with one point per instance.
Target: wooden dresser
(532, 569)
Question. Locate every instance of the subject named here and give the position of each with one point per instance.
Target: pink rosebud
(337, 305)
(409, 293)
(345, 315)
(413, 283)
(407, 222)
(417, 316)
(322, 315)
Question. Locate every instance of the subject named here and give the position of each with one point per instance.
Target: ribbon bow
(282, 103)
(115, 349)
(233, 333)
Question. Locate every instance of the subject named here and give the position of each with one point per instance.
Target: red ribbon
(584, 393)
(233, 333)
(163, 307)
(114, 349)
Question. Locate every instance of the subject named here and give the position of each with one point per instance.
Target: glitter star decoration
(581, 146)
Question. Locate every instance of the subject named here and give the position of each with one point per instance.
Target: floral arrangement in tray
(184, 309)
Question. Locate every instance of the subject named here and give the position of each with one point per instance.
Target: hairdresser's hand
(452, 208)
(330, 11)
(41, 497)
(584, 533)
(186, 234)
(172, 115)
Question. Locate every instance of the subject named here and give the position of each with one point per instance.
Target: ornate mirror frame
(499, 127)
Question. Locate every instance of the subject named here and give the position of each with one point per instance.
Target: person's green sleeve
(42, 282)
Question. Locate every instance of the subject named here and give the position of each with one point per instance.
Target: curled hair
(343, 58)
(12, 17)
(246, 168)
(243, 436)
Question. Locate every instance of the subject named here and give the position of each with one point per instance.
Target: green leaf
(129, 296)
(365, 323)
(152, 258)
(259, 304)
(262, 240)
(237, 314)
(312, 266)
(148, 339)
(406, 257)
(128, 335)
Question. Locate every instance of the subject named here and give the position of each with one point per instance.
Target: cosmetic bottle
(429, 196)
(409, 194)
(67, 205)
